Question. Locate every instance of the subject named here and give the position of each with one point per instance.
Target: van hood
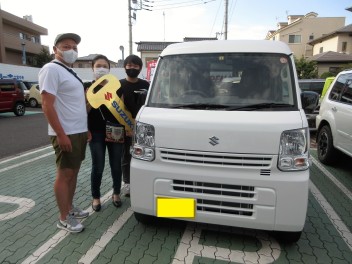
(250, 132)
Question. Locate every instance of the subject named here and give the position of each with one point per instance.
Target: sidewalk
(28, 232)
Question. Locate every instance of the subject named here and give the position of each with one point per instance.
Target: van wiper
(258, 106)
(200, 106)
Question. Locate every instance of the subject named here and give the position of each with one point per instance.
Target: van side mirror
(310, 101)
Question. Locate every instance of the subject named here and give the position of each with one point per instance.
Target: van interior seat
(255, 83)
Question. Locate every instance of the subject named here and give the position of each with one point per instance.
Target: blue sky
(103, 24)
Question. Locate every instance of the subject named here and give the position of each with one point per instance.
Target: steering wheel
(195, 92)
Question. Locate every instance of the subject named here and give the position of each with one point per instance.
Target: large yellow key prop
(107, 96)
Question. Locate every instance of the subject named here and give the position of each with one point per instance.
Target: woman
(100, 121)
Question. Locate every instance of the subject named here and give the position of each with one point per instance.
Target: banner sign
(107, 96)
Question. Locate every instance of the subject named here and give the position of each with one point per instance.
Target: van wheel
(20, 109)
(145, 219)
(288, 237)
(33, 103)
(326, 150)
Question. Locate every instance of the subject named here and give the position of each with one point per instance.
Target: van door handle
(334, 109)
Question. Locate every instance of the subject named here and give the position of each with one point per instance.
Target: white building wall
(328, 45)
(31, 73)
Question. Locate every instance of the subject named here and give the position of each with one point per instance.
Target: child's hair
(98, 57)
(133, 59)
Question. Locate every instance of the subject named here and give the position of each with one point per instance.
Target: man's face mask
(69, 56)
(133, 73)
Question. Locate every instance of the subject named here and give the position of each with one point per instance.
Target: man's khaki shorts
(71, 160)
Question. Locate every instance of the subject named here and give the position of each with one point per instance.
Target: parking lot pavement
(28, 232)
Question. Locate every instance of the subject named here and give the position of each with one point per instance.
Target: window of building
(335, 70)
(21, 36)
(321, 50)
(344, 46)
(294, 39)
(311, 37)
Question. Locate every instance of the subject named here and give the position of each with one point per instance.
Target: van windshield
(224, 81)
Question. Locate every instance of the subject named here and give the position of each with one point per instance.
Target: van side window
(7, 87)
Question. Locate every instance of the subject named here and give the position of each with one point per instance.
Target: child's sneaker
(70, 224)
(78, 213)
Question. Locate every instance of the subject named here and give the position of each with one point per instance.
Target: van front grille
(214, 188)
(221, 207)
(216, 159)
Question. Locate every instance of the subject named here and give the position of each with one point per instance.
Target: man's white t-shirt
(70, 102)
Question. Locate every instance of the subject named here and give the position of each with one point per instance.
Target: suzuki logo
(108, 96)
(214, 141)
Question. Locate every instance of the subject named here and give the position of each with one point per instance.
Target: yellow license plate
(175, 207)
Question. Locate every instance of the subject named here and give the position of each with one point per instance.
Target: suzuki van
(239, 150)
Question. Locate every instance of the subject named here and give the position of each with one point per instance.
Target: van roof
(222, 46)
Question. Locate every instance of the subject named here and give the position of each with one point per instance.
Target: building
(150, 50)
(86, 62)
(333, 51)
(20, 39)
(299, 30)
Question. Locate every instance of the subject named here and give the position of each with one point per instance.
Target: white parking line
(57, 238)
(25, 154)
(25, 205)
(94, 251)
(341, 228)
(333, 178)
(189, 247)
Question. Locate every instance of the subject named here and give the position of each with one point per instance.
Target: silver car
(334, 122)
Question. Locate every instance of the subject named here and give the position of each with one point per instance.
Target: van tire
(20, 109)
(288, 237)
(326, 151)
(145, 219)
(33, 102)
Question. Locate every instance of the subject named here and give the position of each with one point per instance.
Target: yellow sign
(175, 207)
(107, 96)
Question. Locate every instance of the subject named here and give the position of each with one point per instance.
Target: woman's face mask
(69, 56)
(99, 72)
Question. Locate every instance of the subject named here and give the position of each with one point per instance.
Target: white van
(240, 149)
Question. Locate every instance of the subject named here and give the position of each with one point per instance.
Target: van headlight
(294, 150)
(144, 144)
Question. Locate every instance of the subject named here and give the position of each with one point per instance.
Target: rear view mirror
(310, 101)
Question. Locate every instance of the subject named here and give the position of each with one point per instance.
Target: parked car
(328, 82)
(34, 98)
(317, 86)
(12, 96)
(334, 122)
(314, 85)
(239, 158)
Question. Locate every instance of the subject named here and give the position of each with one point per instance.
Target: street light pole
(24, 59)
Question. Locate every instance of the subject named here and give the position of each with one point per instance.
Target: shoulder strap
(70, 70)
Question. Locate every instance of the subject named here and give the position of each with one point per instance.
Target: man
(63, 103)
(133, 91)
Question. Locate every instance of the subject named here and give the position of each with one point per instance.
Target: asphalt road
(22, 133)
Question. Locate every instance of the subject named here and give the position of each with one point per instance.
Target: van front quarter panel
(223, 124)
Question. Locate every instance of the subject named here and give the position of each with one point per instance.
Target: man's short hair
(133, 59)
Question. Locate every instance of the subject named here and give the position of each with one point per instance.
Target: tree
(42, 58)
(306, 69)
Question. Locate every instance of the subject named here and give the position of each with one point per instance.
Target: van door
(7, 95)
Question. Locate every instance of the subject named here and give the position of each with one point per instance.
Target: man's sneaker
(70, 224)
(78, 213)
(126, 190)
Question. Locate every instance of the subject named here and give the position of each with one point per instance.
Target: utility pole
(130, 26)
(226, 17)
